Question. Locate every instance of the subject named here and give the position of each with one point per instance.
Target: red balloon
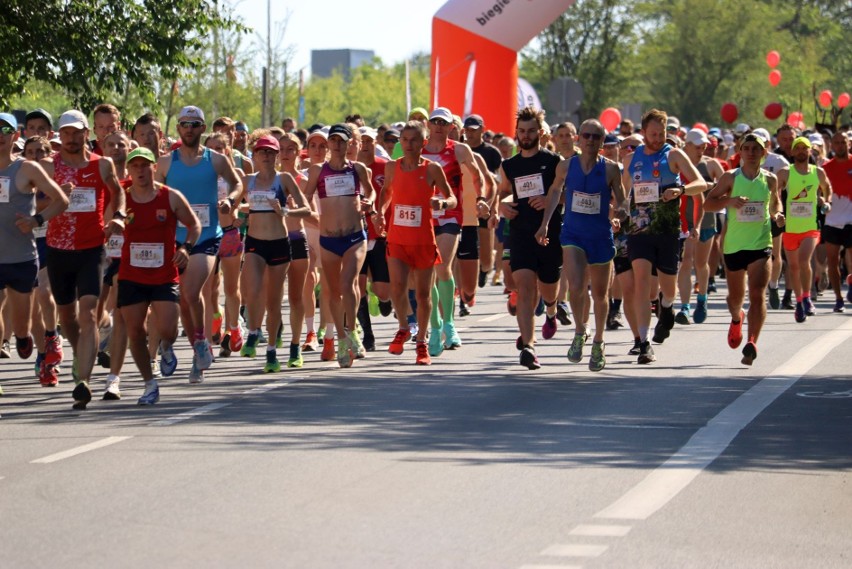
(773, 58)
(610, 118)
(773, 111)
(701, 126)
(842, 100)
(795, 117)
(774, 77)
(729, 112)
(825, 98)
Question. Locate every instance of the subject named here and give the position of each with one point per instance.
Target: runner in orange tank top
(410, 195)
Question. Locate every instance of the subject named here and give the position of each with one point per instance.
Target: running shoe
(355, 344)
(217, 327)
(463, 311)
(613, 321)
(700, 314)
(369, 342)
(682, 317)
(422, 352)
(82, 395)
(168, 360)
(272, 363)
(53, 350)
(385, 307)
(575, 352)
(562, 313)
(373, 305)
(436, 344)
(5, 352)
(512, 303)
(711, 286)
(413, 329)
(548, 329)
(24, 347)
(540, 307)
(749, 352)
(195, 375)
(328, 349)
(519, 343)
(225, 346)
(295, 359)
(735, 332)
(261, 339)
(665, 322)
(800, 315)
(483, 277)
(47, 375)
(808, 305)
(249, 349)
(112, 390)
(104, 333)
(311, 343)
(397, 346)
(838, 305)
(203, 354)
(646, 353)
(469, 300)
(774, 299)
(155, 370)
(787, 301)
(529, 359)
(598, 360)
(636, 349)
(344, 353)
(151, 395)
(104, 359)
(451, 337)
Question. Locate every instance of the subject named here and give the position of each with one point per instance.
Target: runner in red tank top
(75, 241)
(409, 196)
(148, 274)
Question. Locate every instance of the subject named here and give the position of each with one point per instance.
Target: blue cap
(6, 117)
(715, 132)
(610, 139)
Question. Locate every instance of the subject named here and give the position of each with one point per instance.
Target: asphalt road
(694, 461)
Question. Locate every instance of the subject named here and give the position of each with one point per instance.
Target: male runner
(473, 130)
(837, 231)
(107, 120)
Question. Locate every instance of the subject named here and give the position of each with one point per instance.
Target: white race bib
(259, 200)
(752, 212)
(83, 200)
(114, 245)
(5, 184)
(801, 209)
(529, 186)
(408, 215)
(340, 185)
(146, 255)
(202, 211)
(588, 204)
(646, 192)
(224, 188)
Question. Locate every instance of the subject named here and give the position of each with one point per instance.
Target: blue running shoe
(168, 360)
(151, 395)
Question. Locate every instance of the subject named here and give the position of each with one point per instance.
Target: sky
(393, 29)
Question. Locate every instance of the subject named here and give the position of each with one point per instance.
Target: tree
(95, 48)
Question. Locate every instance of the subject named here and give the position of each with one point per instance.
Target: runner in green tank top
(750, 196)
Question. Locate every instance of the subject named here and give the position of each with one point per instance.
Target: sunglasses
(439, 122)
(191, 124)
(591, 136)
(7, 130)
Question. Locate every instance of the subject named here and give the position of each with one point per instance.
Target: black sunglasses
(439, 122)
(591, 136)
(191, 124)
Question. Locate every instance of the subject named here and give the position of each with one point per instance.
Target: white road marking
(601, 530)
(705, 446)
(575, 550)
(493, 317)
(551, 567)
(189, 414)
(79, 450)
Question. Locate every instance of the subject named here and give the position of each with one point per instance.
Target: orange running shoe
(423, 358)
(397, 346)
(311, 342)
(512, 303)
(328, 351)
(735, 332)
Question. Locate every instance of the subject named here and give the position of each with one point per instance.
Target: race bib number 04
(114, 245)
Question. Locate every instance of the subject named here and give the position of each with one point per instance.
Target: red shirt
(840, 175)
(410, 209)
(452, 169)
(81, 226)
(147, 256)
(377, 170)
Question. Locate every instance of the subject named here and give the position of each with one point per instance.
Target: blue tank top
(258, 199)
(17, 247)
(587, 200)
(199, 185)
(651, 176)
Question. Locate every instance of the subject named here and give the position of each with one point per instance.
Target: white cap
(442, 113)
(728, 138)
(697, 137)
(673, 122)
(320, 132)
(73, 119)
(191, 112)
(742, 128)
(816, 139)
(368, 132)
(762, 133)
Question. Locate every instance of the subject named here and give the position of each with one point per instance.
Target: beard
(530, 144)
(191, 139)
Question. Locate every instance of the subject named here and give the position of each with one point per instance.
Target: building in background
(325, 61)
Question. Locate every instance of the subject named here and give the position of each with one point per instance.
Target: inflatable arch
(475, 46)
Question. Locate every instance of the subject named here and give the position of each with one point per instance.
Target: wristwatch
(39, 219)
(119, 215)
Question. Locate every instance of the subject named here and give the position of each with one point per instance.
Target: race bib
(146, 255)
(202, 211)
(39, 232)
(223, 187)
(340, 185)
(752, 212)
(588, 204)
(646, 192)
(801, 209)
(259, 200)
(408, 215)
(114, 245)
(4, 189)
(529, 186)
(83, 200)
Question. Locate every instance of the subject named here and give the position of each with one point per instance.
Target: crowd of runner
(120, 241)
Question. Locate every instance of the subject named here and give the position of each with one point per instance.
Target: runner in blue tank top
(590, 183)
(194, 172)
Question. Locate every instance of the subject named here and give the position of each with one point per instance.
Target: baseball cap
(267, 141)
(697, 137)
(73, 119)
(442, 113)
(39, 114)
(801, 140)
(816, 139)
(752, 137)
(419, 111)
(392, 133)
(673, 122)
(728, 139)
(340, 130)
(241, 127)
(610, 139)
(191, 112)
(741, 129)
(368, 132)
(10, 119)
(474, 121)
(315, 127)
(141, 152)
(715, 131)
(762, 133)
(318, 132)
